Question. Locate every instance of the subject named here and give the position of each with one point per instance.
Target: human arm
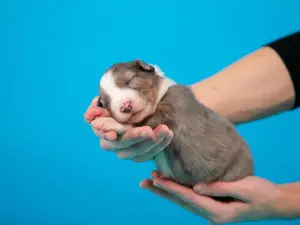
(240, 102)
(261, 84)
(273, 89)
(289, 206)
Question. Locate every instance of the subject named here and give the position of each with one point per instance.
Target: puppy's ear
(141, 65)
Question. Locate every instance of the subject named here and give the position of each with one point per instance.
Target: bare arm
(254, 87)
(289, 201)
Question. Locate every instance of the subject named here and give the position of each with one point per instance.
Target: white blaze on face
(119, 96)
(140, 107)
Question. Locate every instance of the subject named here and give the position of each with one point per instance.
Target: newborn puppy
(205, 147)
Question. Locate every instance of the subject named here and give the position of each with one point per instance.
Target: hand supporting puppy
(259, 198)
(139, 144)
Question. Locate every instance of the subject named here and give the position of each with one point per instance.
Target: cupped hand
(139, 144)
(258, 199)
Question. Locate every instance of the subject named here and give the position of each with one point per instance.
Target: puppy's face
(129, 91)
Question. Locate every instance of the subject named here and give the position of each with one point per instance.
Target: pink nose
(126, 107)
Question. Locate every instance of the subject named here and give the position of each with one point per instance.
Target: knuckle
(106, 126)
(97, 132)
(147, 129)
(122, 155)
(111, 120)
(104, 145)
(164, 127)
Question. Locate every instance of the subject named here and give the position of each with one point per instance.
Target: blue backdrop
(52, 54)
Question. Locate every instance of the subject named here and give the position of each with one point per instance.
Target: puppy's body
(205, 148)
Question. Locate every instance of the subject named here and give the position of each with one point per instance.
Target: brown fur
(135, 75)
(104, 99)
(206, 147)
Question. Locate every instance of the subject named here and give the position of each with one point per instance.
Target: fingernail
(156, 183)
(144, 134)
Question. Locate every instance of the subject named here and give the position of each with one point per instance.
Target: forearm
(288, 202)
(254, 87)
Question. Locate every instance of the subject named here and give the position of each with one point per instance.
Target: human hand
(93, 112)
(259, 199)
(139, 144)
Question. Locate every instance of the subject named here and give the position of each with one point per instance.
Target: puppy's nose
(126, 107)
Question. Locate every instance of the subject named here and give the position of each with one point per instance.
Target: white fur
(118, 96)
(158, 70)
(164, 86)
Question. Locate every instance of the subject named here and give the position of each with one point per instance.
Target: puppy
(205, 148)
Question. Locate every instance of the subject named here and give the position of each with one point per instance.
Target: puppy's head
(129, 90)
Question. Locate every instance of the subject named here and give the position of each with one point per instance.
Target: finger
(156, 174)
(163, 137)
(201, 205)
(148, 185)
(110, 135)
(149, 147)
(162, 129)
(160, 146)
(98, 133)
(94, 102)
(94, 112)
(108, 124)
(188, 195)
(224, 189)
(130, 137)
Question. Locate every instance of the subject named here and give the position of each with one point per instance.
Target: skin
(260, 199)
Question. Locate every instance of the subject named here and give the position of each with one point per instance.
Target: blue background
(52, 54)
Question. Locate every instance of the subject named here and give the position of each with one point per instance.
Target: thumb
(224, 189)
(94, 102)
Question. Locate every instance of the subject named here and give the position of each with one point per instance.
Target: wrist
(288, 201)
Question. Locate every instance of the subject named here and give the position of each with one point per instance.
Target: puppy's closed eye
(130, 79)
(134, 83)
